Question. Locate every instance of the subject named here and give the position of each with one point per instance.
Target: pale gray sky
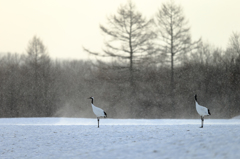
(67, 25)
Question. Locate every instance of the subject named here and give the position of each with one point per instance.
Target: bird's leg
(98, 122)
(202, 119)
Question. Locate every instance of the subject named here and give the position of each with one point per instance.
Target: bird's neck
(196, 103)
(196, 100)
(92, 101)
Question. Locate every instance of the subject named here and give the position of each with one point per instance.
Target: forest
(149, 68)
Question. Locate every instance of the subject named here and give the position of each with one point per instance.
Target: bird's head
(195, 97)
(90, 98)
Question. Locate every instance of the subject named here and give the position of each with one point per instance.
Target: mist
(216, 84)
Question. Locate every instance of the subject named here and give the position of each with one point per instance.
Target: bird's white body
(98, 111)
(202, 111)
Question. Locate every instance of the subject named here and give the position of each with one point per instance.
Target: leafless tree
(234, 45)
(38, 66)
(233, 56)
(174, 35)
(128, 36)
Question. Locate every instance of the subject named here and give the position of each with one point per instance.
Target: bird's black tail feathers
(209, 112)
(105, 114)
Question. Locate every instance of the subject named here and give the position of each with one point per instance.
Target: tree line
(154, 73)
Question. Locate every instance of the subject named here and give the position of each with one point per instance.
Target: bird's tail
(105, 114)
(209, 112)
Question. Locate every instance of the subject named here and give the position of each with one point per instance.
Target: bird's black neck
(196, 98)
(92, 100)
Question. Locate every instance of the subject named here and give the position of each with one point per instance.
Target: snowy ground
(118, 138)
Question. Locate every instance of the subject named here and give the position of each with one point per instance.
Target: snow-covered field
(118, 138)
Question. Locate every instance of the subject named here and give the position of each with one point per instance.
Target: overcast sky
(66, 25)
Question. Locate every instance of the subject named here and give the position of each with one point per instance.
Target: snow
(118, 138)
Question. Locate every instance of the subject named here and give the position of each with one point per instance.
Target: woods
(155, 71)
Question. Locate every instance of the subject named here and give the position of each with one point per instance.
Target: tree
(128, 36)
(233, 52)
(174, 36)
(10, 85)
(234, 45)
(40, 80)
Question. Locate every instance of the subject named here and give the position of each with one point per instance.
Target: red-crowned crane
(202, 111)
(98, 111)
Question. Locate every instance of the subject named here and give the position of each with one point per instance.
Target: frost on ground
(80, 138)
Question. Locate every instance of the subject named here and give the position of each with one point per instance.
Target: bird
(202, 111)
(98, 111)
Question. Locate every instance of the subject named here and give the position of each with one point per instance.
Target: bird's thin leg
(202, 119)
(98, 122)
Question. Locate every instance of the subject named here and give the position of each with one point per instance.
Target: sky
(65, 26)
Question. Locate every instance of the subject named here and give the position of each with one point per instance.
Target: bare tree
(234, 45)
(128, 36)
(38, 66)
(10, 85)
(233, 55)
(174, 35)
